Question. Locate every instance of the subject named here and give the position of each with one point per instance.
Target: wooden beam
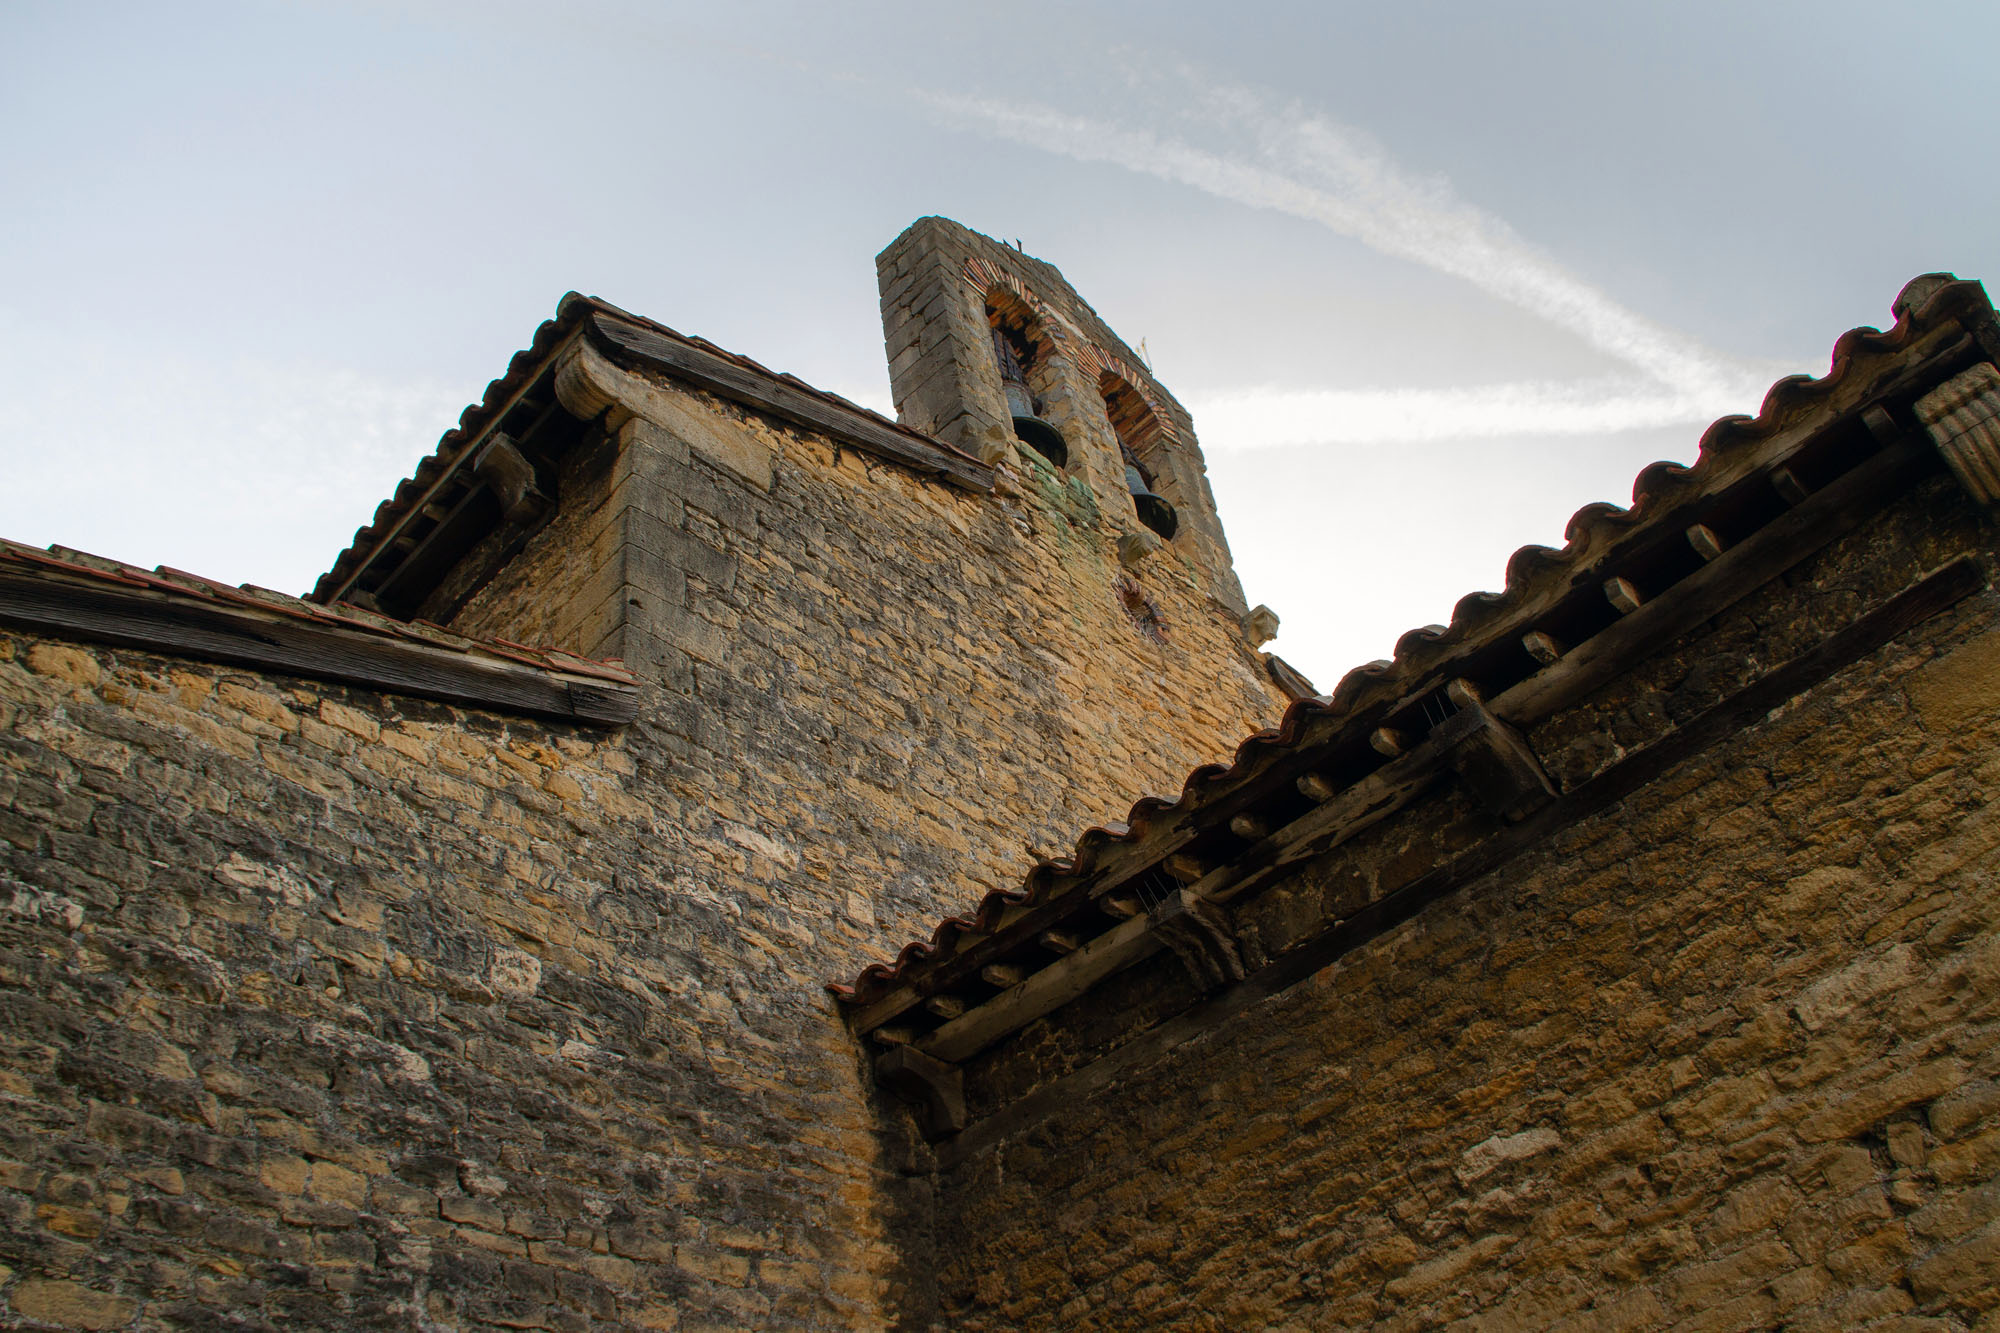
(1703, 594)
(1043, 992)
(1734, 574)
(706, 370)
(1788, 486)
(1249, 826)
(1358, 808)
(163, 623)
(448, 476)
(1315, 787)
(1788, 539)
(1928, 597)
(1388, 742)
(1706, 544)
(1544, 648)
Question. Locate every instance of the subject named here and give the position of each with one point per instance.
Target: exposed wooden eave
(1280, 841)
(635, 346)
(163, 622)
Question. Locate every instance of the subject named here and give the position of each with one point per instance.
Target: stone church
(640, 886)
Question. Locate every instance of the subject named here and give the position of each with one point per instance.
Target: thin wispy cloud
(290, 458)
(1297, 163)
(1277, 417)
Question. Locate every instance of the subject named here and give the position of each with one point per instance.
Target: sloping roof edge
(72, 593)
(1937, 315)
(576, 316)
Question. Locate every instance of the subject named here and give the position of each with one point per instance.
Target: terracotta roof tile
(1864, 360)
(179, 584)
(571, 313)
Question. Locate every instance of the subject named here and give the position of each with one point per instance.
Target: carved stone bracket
(1963, 417)
(1134, 547)
(937, 1088)
(587, 385)
(1199, 934)
(1260, 626)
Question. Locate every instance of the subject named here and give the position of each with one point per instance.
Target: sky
(1430, 276)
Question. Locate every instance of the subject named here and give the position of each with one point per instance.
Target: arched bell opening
(1153, 510)
(1141, 442)
(1017, 349)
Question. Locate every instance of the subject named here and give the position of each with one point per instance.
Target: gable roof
(436, 505)
(1816, 459)
(73, 594)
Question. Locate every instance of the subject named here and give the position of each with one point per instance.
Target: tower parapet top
(993, 352)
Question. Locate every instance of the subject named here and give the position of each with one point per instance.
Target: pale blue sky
(1430, 275)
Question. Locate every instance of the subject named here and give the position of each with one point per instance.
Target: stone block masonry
(371, 974)
(905, 682)
(1722, 1056)
(324, 1007)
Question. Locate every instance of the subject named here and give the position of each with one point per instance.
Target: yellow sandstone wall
(903, 685)
(323, 1008)
(1725, 1055)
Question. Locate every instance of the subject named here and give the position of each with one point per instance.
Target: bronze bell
(1154, 511)
(1029, 427)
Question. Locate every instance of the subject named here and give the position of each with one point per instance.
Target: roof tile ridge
(59, 558)
(341, 615)
(1940, 297)
(784, 376)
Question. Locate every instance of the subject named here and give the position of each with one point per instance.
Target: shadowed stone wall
(324, 1008)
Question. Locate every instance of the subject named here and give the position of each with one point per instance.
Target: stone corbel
(1199, 934)
(588, 386)
(935, 1086)
(1963, 418)
(1260, 626)
(1133, 547)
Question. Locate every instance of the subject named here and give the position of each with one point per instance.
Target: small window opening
(1153, 511)
(1016, 355)
(1136, 426)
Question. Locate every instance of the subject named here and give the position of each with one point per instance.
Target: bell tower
(991, 351)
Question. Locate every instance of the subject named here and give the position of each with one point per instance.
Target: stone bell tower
(991, 351)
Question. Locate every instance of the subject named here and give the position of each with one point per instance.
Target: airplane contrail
(1309, 167)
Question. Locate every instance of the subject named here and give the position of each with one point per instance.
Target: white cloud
(249, 471)
(1306, 166)
(1274, 417)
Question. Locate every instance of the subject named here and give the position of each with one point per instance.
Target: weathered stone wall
(946, 382)
(326, 1008)
(902, 684)
(1722, 1056)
